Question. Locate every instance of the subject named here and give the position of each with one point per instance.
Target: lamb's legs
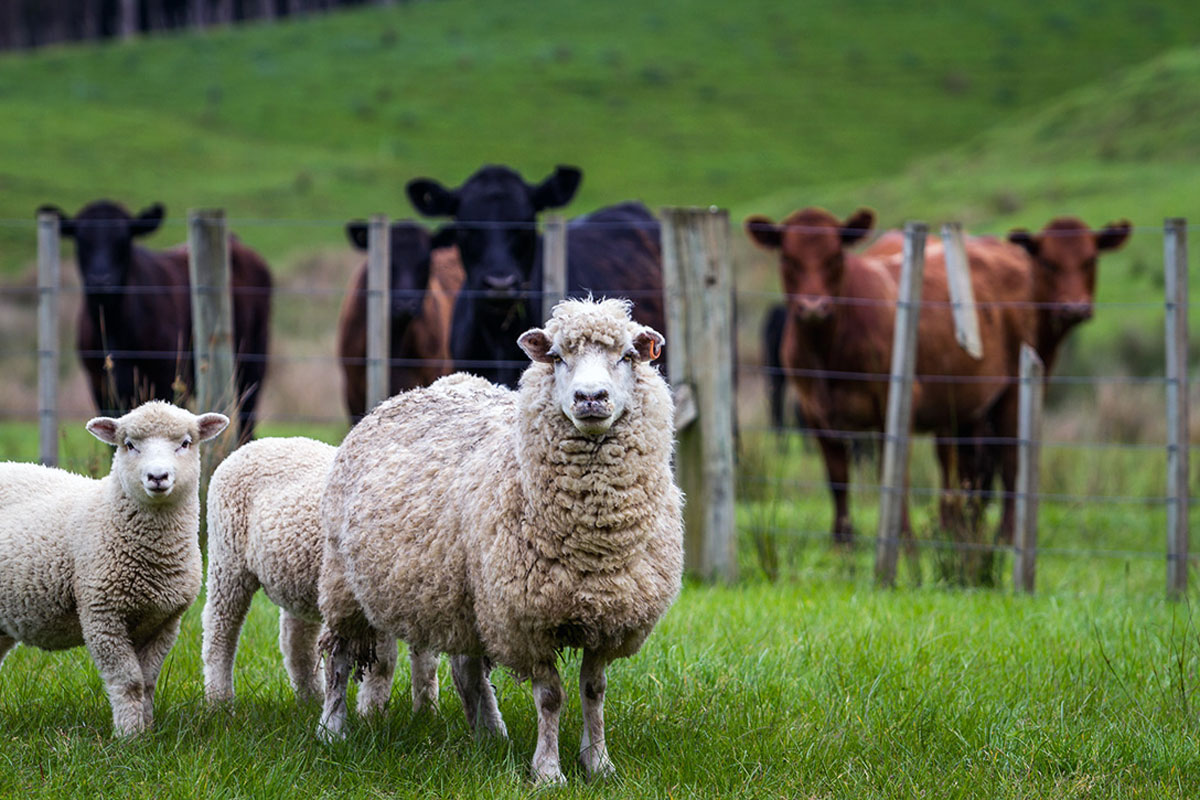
(424, 680)
(376, 685)
(6, 644)
(338, 665)
(593, 753)
(225, 610)
(470, 675)
(151, 656)
(108, 643)
(298, 643)
(548, 696)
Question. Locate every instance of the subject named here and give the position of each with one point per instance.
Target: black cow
(135, 324)
(613, 252)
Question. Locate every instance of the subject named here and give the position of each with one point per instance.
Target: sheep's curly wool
(468, 518)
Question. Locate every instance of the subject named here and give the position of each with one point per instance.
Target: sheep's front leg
(548, 696)
(376, 685)
(424, 680)
(151, 656)
(338, 665)
(298, 643)
(593, 753)
(108, 643)
(470, 675)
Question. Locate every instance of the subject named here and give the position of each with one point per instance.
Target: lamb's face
(594, 367)
(156, 456)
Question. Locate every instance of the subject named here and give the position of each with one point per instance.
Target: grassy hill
(701, 102)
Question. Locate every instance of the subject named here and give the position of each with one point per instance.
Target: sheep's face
(594, 369)
(156, 455)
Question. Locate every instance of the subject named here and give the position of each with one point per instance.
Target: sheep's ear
(536, 345)
(649, 344)
(104, 429)
(211, 424)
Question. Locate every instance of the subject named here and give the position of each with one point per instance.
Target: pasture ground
(814, 685)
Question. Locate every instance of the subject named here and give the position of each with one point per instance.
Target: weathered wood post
(1176, 290)
(47, 332)
(1031, 390)
(554, 264)
(698, 288)
(898, 424)
(962, 293)
(212, 329)
(379, 334)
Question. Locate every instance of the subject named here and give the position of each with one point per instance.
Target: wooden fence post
(1031, 390)
(698, 288)
(899, 405)
(212, 330)
(554, 264)
(962, 293)
(379, 288)
(47, 328)
(1176, 290)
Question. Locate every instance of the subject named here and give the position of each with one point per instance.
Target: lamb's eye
(556, 358)
(185, 444)
(630, 356)
(129, 446)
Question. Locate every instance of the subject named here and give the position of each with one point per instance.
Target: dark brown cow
(425, 277)
(1060, 265)
(135, 324)
(838, 338)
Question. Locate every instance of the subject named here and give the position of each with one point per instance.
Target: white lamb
(111, 564)
(504, 527)
(264, 531)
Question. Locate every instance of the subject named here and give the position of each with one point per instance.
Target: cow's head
(104, 232)
(811, 245)
(495, 229)
(595, 350)
(410, 246)
(1065, 254)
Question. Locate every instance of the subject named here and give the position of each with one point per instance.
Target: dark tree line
(32, 23)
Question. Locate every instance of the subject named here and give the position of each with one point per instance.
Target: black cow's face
(409, 274)
(104, 232)
(495, 215)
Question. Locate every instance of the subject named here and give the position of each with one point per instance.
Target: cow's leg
(593, 753)
(376, 685)
(1007, 414)
(837, 469)
(424, 680)
(471, 680)
(298, 643)
(548, 696)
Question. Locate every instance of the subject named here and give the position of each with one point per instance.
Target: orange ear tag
(655, 350)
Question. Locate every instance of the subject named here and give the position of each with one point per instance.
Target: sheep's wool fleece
(474, 519)
(263, 518)
(72, 546)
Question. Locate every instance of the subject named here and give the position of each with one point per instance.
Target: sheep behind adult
(611, 252)
(504, 527)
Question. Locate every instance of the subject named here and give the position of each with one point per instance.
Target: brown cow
(838, 339)
(426, 276)
(1060, 263)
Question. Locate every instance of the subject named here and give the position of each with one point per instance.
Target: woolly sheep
(503, 527)
(264, 531)
(113, 563)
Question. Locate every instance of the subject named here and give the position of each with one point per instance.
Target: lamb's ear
(536, 345)
(649, 344)
(764, 232)
(1023, 238)
(104, 429)
(211, 424)
(356, 232)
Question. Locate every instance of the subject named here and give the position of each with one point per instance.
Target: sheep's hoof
(548, 778)
(604, 771)
(327, 735)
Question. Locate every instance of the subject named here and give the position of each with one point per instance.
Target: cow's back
(616, 252)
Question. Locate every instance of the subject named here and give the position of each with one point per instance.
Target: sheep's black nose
(598, 396)
(159, 478)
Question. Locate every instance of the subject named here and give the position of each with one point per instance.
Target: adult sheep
(503, 527)
(110, 564)
(264, 531)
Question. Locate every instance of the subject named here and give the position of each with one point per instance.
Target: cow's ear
(1025, 239)
(431, 198)
(1113, 235)
(558, 189)
(356, 232)
(149, 220)
(536, 345)
(857, 225)
(763, 231)
(66, 225)
(445, 236)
